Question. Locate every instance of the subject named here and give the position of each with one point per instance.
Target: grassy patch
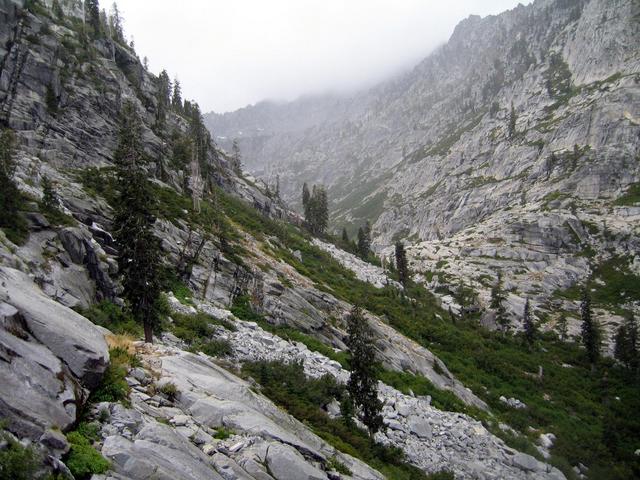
(83, 460)
(113, 387)
(223, 433)
(111, 316)
(612, 284)
(631, 196)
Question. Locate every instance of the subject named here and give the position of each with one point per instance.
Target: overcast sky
(228, 54)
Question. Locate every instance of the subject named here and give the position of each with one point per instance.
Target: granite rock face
(51, 355)
(507, 147)
(161, 438)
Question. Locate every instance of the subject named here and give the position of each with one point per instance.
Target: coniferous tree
(306, 197)
(497, 303)
(115, 23)
(345, 236)
(50, 200)
(562, 326)
(401, 264)
(529, 327)
(236, 159)
(626, 343)
(92, 14)
(364, 240)
(164, 98)
(176, 99)
(9, 193)
(591, 336)
(363, 384)
(319, 208)
(316, 209)
(138, 248)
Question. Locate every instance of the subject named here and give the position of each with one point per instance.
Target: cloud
(228, 54)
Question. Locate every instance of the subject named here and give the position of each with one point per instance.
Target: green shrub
(214, 348)
(109, 315)
(83, 460)
(18, 462)
(113, 386)
(222, 433)
(169, 390)
(334, 464)
(631, 196)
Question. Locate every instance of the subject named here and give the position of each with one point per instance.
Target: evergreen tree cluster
(316, 209)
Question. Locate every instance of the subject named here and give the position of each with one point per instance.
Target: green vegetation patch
(303, 397)
(113, 386)
(441, 399)
(631, 197)
(109, 315)
(18, 462)
(612, 284)
(83, 460)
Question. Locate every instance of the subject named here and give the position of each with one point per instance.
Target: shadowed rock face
(49, 354)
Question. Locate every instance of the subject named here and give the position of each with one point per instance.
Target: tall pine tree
(364, 240)
(626, 343)
(591, 336)
(497, 303)
(529, 328)
(9, 193)
(92, 16)
(401, 264)
(306, 198)
(138, 248)
(164, 98)
(176, 99)
(363, 384)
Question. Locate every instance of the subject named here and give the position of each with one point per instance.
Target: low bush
(18, 462)
(222, 433)
(334, 464)
(169, 390)
(83, 460)
(214, 348)
(113, 386)
(109, 315)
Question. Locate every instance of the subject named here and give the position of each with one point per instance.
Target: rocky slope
(61, 93)
(517, 140)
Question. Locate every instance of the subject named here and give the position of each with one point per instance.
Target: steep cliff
(512, 148)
